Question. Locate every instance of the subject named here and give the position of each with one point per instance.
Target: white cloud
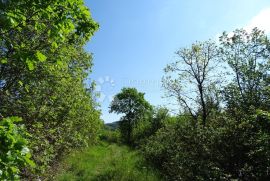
(261, 21)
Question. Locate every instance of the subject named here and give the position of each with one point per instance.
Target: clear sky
(138, 38)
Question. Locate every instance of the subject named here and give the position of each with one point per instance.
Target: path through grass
(107, 162)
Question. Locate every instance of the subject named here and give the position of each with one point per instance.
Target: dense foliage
(248, 58)
(132, 104)
(43, 71)
(226, 149)
(233, 140)
(14, 151)
(222, 129)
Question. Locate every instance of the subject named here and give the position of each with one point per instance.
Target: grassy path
(106, 162)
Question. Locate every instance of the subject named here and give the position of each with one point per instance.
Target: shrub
(112, 136)
(14, 153)
(150, 124)
(225, 149)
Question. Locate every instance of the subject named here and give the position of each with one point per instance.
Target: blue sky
(138, 38)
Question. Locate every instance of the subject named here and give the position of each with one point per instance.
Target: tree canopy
(132, 104)
(43, 68)
(191, 79)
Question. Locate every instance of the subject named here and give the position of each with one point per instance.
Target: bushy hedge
(224, 150)
(43, 68)
(111, 136)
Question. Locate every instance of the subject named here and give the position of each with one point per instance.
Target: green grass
(106, 162)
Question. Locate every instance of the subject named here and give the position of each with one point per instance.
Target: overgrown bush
(112, 136)
(149, 124)
(43, 68)
(224, 150)
(14, 152)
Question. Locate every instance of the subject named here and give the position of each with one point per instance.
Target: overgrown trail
(107, 162)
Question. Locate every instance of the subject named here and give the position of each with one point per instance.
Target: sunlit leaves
(59, 63)
(247, 54)
(54, 45)
(30, 64)
(132, 104)
(4, 61)
(43, 67)
(20, 83)
(14, 151)
(51, 22)
(41, 57)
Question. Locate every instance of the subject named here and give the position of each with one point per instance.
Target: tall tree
(248, 56)
(43, 67)
(132, 104)
(31, 30)
(192, 79)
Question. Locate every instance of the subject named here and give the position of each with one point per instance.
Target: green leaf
(12, 21)
(30, 64)
(54, 45)
(26, 88)
(21, 83)
(41, 57)
(4, 61)
(59, 63)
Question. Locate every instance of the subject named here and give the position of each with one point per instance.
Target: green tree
(193, 79)
(248, 55)
(234, 144)
(43, 70)
(160, 115)
(132, 104)
(30, 35)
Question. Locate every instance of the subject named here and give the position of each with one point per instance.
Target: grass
(106, 162)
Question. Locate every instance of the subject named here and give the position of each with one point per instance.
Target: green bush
(43, 68)
(14, 152)
(112, 136)
(149, 124)
(226, 149)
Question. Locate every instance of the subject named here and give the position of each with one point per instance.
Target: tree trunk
(204, 113)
